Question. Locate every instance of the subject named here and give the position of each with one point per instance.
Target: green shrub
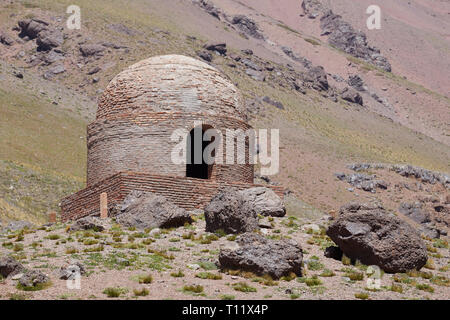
(243, 287)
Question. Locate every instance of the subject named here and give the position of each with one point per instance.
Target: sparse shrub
(294, 296)
(440, 281)
(327, 273)
(178, 274)
(310, 282)
(146, 279)
(141, 293)
(209, 275)
(430, 264)
(362, 296)
(227, 297)
(114, 292)
(243, 287)
(71, 250)
(53, 237)
(291, 276)
(396, 287)
(425, 287)
(193, 288)
(346, 261)
(355, 276)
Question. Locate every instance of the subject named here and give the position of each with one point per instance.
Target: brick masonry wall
(188, 193)
(142, 142)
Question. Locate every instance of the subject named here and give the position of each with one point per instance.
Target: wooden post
(52, 217)
(104, 205)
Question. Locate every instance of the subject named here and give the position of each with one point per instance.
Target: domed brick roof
(171, 83)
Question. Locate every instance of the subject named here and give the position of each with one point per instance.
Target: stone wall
(188, 193)
(142, 142)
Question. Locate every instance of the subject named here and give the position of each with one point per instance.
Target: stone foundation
(188, 193)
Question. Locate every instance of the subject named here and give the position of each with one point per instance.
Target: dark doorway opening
(196, 166)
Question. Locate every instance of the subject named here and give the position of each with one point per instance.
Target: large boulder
(229, 211)
(31, 27)
(262, 256)
(10, 267)
(145, 210)
(370, 234)
(351, 95)
(88, 223)
(49, 39)
(264, 201)
(33, 278)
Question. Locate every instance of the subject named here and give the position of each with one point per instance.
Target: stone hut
(130, 142)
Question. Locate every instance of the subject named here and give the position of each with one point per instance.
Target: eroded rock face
(247, 25)
(343, 36)
(88, 223)
(264, 201)
(49, 39)
(368, 233)
(31, 27)
(229, 211)
(262, 256)
(145, 210)
(10, 267)
(33, 278)
(351, 95)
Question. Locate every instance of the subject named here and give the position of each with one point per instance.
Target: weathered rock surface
(318, 77)
(262, 256)
(145, 210)
(88, 50)
(49, 39)
(31, 27)
(88, 223)
(247, 25)
(10, 267)
(343, 36)
(209, 7)
(205, 55)
(351, 95)
(370, 234)
(264, 201)
(415, 212)
(229, 211)
(5, 39)
(71, 271)
(362, 181)
(33, 278)
(17, 225)
(220, 47)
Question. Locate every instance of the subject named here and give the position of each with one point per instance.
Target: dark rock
(88, 223)
(415, 212)
(252, 65)
(52, 57)
(312, 8)
(368, 233)
(276, 104)
(334, 252)
(235, 57)
(145, 210)
(248, 26)
(264, 201)
(229, 211)
(88, 50)
(205, 55)
(305, 62)
(351, 95)
(256, 75)
(10, 267)
(356, 82)
(262, 256)
(5, 39)
(342, 35)
(247, 52)
(18, 74)
(33, 278)
(218, 47)
(209, 7)
(49, 39)
(31, 27)
(318, 77)
(94, 70)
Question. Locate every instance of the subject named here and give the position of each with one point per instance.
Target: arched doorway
(196, 166)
